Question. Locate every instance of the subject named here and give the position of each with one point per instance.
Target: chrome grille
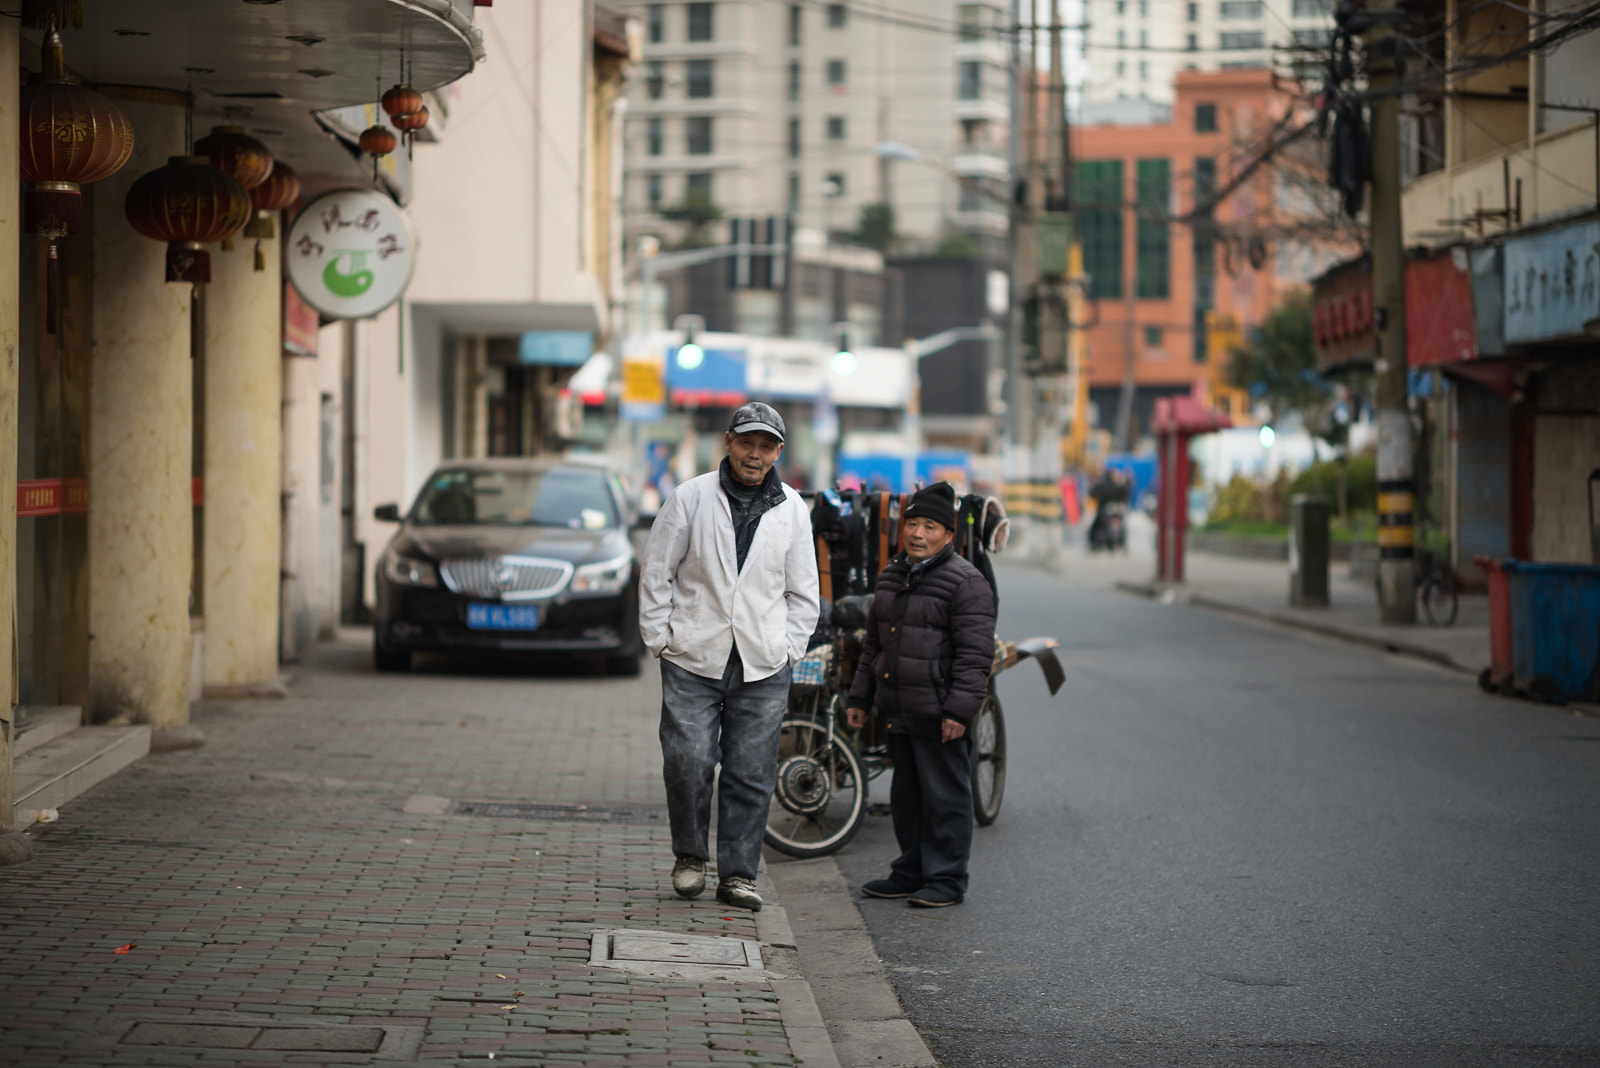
(510, 578)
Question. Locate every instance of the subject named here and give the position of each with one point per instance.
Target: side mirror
(387, 513)
(644, 521)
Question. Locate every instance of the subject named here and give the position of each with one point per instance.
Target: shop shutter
(1483, 473)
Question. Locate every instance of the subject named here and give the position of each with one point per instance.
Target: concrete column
(302, 463)
(13, 847)
(243, 468)
(141, 532)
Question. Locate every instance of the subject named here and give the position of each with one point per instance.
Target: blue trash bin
(1555, 630)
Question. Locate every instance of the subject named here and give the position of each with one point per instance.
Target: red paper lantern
(401, 100)
(377, 141)
(70, 136)
(187, 203)
(281, 189)
(412, 122)
(230, 149)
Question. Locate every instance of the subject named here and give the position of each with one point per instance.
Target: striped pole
(1397, 502)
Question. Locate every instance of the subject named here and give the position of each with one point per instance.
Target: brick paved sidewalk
(305, 888)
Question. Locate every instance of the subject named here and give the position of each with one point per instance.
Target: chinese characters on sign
(351, 253)
(52, 496)
(1552, 283)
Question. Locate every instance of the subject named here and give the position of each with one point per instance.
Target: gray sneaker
(689, 876)
(739, 892)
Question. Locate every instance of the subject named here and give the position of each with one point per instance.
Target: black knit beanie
(936, 502)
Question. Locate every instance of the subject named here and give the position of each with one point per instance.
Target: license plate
(503, 616)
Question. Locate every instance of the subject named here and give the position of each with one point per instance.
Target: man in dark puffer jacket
(925, 663)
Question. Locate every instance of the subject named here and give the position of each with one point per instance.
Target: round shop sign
(350, 253)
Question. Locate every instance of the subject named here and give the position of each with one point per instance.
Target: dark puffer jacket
(929, 643)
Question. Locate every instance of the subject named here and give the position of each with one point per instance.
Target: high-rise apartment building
(1135, 48)
(763, 108)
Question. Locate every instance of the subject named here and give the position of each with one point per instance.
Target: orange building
(1160, 260)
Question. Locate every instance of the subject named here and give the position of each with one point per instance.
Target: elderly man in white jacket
(727, 600)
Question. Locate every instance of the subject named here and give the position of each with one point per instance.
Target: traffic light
(690, 355)
(844, 358)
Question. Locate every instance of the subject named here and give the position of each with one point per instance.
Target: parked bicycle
(1436, 580)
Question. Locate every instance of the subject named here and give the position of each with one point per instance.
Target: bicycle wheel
(820, 796)
(988, 760)
(1440, 602)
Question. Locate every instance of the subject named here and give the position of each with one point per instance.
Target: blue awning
(562, 348)
(718, 381)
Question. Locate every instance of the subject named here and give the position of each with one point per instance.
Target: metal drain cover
(664, 953)
(235, 1033)
(528, 810)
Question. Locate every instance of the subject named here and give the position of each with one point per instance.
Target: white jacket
(694, 602)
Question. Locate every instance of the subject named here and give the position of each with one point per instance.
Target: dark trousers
(931, 805)
(734, 722)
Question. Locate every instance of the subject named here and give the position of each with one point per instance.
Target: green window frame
(1205, 250)
(1153, 230)
(1100, 207)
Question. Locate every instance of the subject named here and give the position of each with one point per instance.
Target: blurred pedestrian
(727, 601)
(925, 663)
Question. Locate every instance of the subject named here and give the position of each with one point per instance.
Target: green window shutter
(1100, 208)
(1153, 239)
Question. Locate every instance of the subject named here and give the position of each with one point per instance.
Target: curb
(867, 1023)
(797, 1004)
(1156, 591)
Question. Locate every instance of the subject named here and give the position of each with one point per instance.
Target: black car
(511, 555)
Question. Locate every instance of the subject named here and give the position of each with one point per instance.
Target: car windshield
(577, 500)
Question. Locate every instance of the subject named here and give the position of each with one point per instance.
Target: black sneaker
(689, 876)
(739, 892)
(886, 888)
(934, 897)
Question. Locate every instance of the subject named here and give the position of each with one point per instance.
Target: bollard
(1308, 551)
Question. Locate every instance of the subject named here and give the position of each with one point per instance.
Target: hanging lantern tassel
(261, 257)
(52, 290)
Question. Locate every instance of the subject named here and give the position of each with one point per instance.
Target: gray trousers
(727, 720)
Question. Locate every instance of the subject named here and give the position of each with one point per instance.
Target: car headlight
(607, 576)
(408, 571)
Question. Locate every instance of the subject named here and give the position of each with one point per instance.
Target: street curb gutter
(797, 1005)
(865, 1020)
(1157, 591)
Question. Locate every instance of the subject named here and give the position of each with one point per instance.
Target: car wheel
(390, 660)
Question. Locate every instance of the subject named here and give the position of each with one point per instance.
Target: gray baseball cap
(757, 416)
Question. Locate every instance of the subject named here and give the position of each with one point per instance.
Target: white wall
(498, 202)
(381, 432)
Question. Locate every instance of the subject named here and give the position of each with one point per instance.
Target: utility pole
(1050, 386)
(1024, 159)
(1397, 490)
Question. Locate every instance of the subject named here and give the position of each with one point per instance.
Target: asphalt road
(1228, 845)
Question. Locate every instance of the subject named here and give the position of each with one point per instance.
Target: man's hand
(856, 717)
(951, 729)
